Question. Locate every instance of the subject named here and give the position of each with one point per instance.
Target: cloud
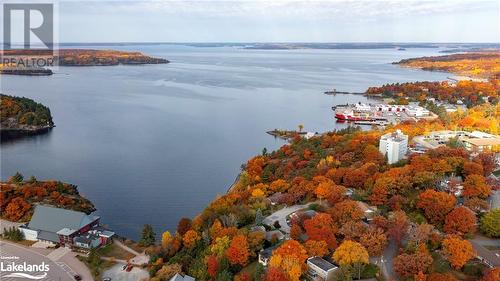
(287, 8)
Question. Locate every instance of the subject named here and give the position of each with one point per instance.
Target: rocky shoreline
(7, 134)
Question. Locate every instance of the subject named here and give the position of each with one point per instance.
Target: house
(486, 256)
(277, 198)
(61, 226)
(394, 146)
(180, 277)
(368, 211)
(452, 185)
(320, 269)
(274, 235)
(265, 255)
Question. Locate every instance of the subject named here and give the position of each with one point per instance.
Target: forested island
(22, 116)
(18, 196)
(71, 57)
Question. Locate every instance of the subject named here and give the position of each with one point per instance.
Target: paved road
(281, 216)
(386, 261)
(15, 254)
(495, 200)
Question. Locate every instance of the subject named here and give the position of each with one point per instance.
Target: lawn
(116, 252)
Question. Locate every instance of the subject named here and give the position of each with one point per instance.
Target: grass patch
(497, 173)
(113, 251)
(253, 269)
(439, 264)
(135, 246)
(96, 268)
(26, 243)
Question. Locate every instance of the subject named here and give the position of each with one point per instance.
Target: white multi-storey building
(394, 145)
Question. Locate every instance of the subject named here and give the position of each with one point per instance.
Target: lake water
(154, 143)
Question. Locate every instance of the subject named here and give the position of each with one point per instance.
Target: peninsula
(19, 196)
(22, 116)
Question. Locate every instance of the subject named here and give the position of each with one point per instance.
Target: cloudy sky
(280, 21)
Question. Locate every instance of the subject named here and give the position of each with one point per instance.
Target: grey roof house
(58, 225)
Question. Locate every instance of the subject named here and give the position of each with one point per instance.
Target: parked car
(106, 279)
(77, 277)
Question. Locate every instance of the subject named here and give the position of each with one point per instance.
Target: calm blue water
(154, 143)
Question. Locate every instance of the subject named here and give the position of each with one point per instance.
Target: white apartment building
(394, 145)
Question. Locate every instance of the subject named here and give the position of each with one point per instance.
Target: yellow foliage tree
(166, 239)
(350, 252)
(220, 246)
(257, 193)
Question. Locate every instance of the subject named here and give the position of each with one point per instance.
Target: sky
(280, 21)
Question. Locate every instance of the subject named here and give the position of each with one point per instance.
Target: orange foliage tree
(16, 209)
(460, 221)
(436, 205)
(316, 248)
(475, 186)
(190, 238)
(347, 210)
(441, 277)
(374, 240)
(457, 251)
(289, 258)
(238, 252)
(321, 228)
(408, 265)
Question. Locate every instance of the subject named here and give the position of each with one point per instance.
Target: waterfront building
(394, 146)
(65, 227)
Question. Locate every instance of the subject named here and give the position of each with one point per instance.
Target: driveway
(386, 261)
(116, 273)
(15, 254)
(495, 200)
(281, 216)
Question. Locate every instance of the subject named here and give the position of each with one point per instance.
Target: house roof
(48, 236)
(274, 233)
(179, 277)
(66, 231)
(321, 263)
(52, 219)
(482, 141)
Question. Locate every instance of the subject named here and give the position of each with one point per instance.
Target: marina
(380, 114)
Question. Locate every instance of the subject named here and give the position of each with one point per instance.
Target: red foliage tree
(212, 266)
(321, 228)
(275, 274)
(183, 226)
